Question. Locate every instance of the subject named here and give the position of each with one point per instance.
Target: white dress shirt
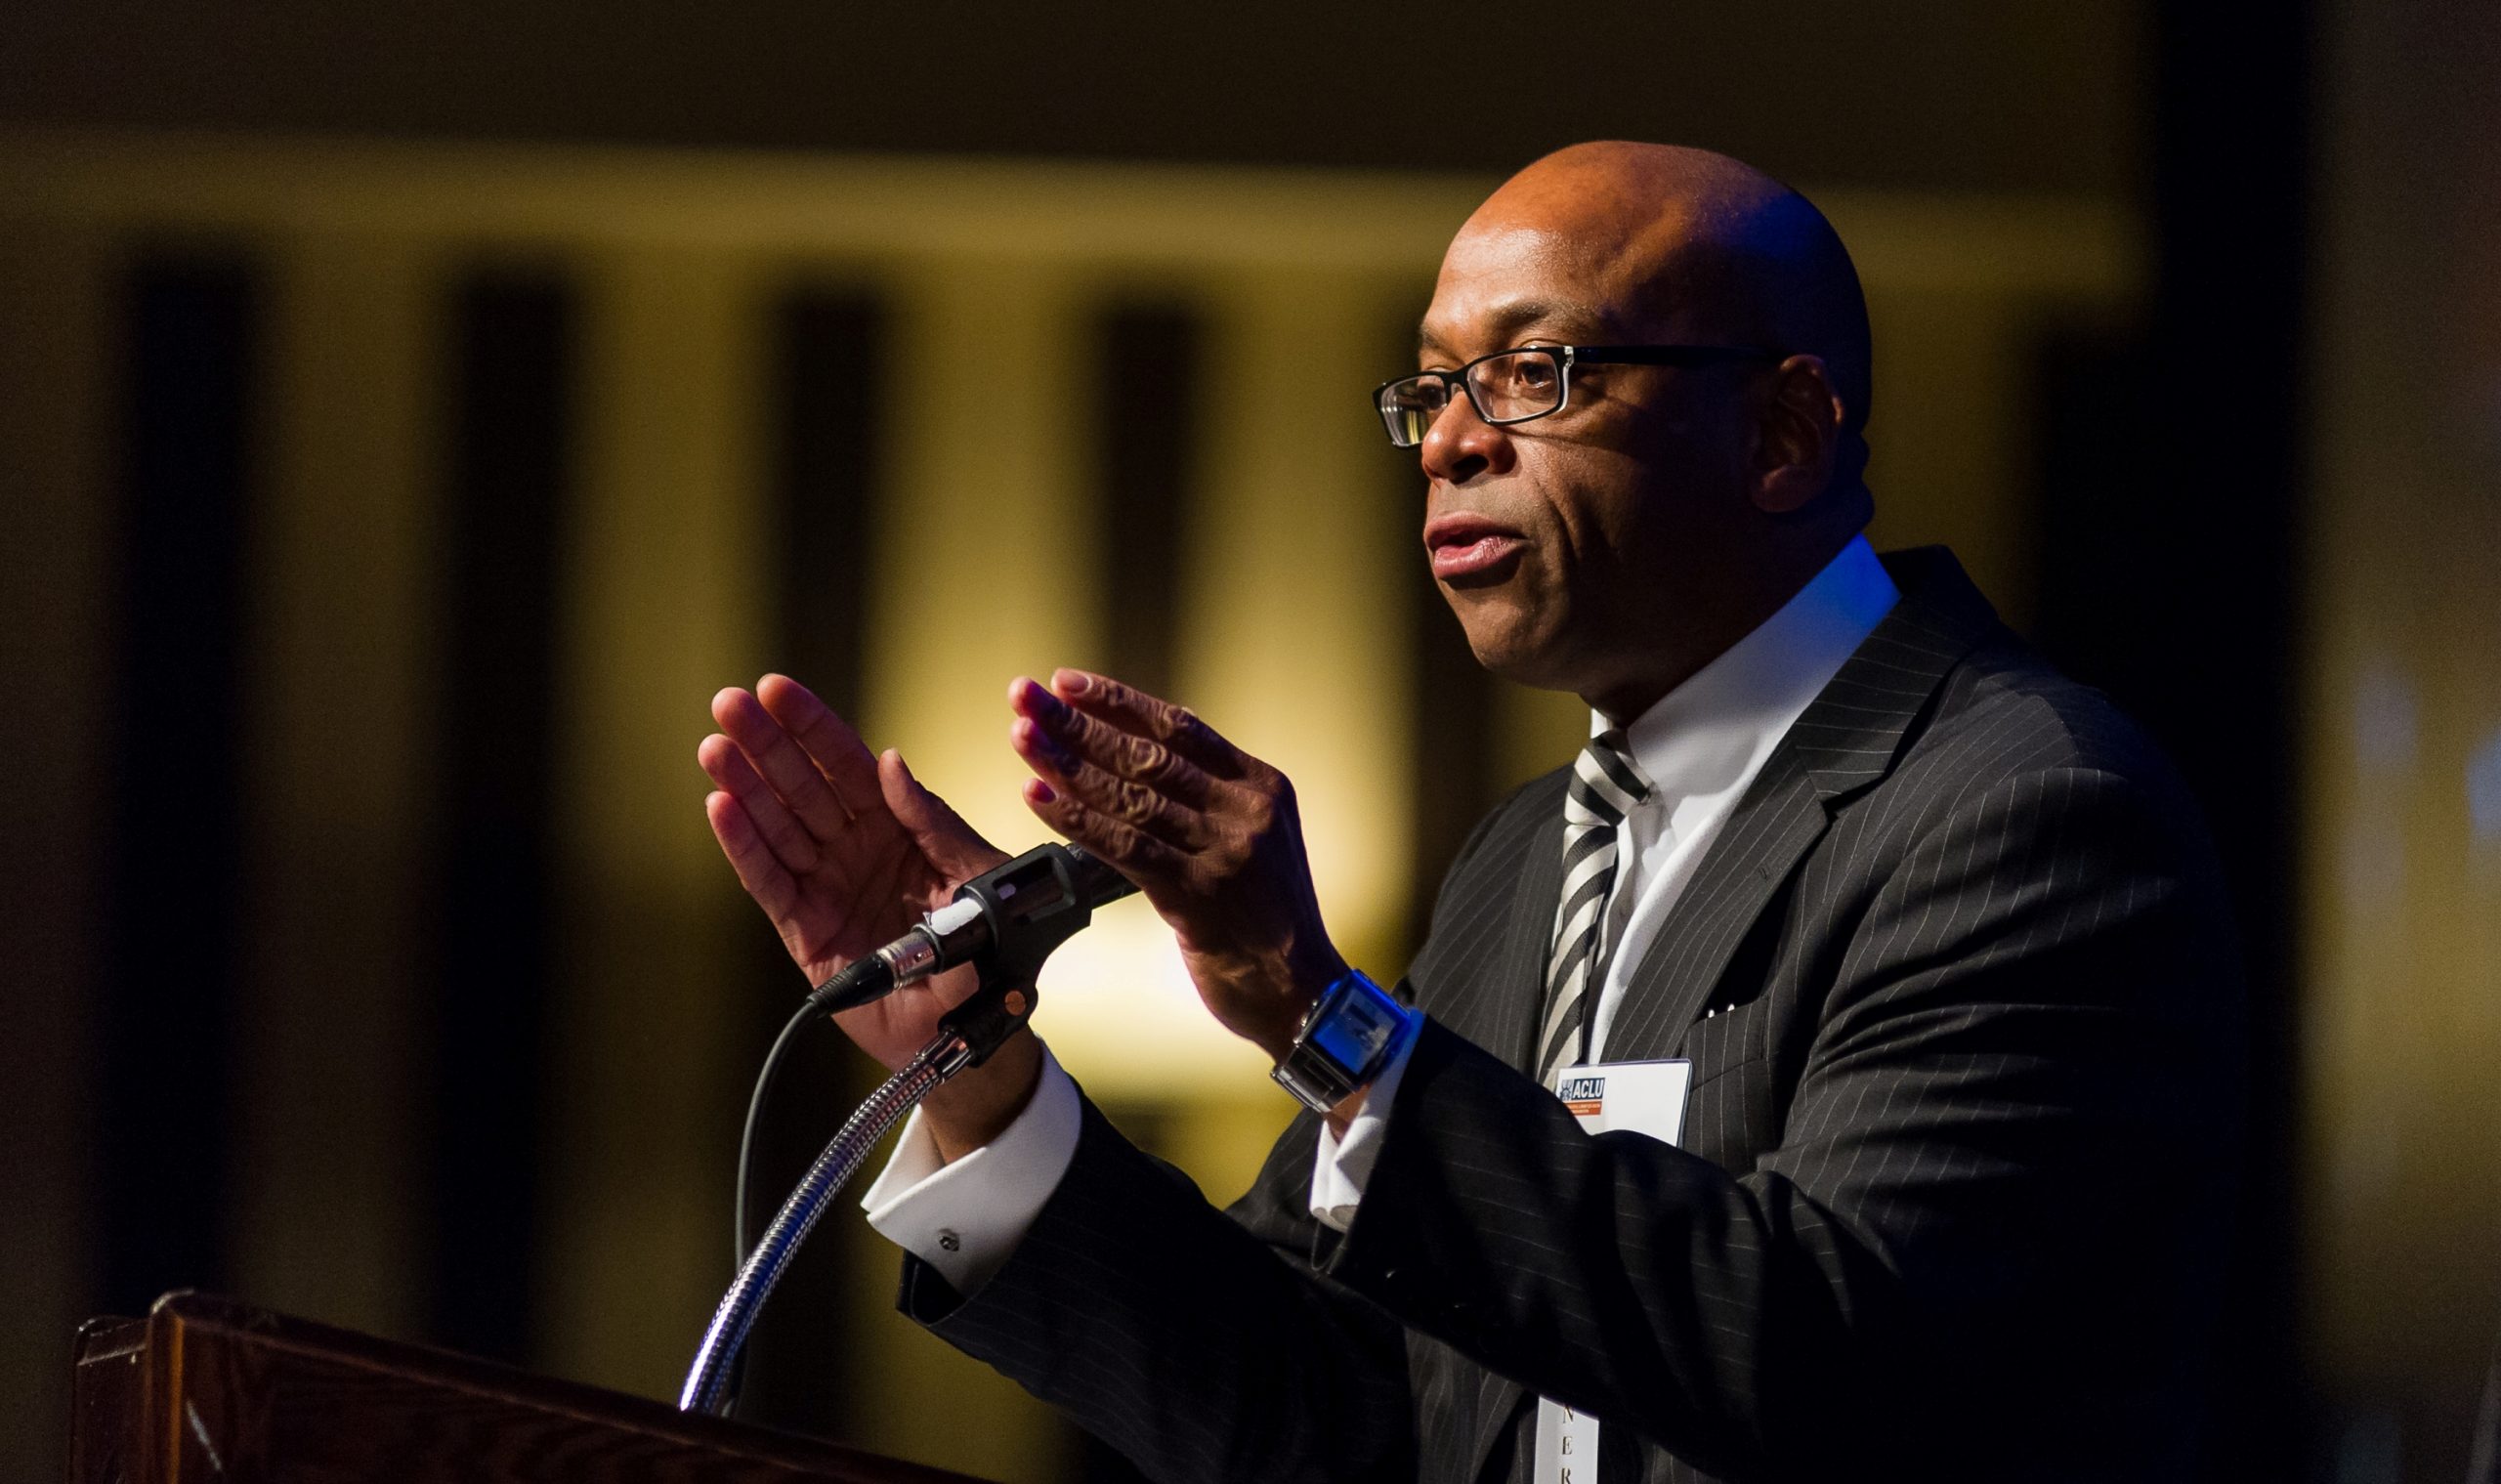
(1700, 746)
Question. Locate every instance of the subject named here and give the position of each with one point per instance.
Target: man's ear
(1799, 438)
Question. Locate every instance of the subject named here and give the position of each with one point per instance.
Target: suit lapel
(1847, 738)
(1500, 996)
(1755, 853)
(1498, 1405)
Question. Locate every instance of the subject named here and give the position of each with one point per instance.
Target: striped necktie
(1605, 785)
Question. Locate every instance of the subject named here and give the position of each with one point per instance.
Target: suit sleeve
(1200, 1345)
(2023, 1069)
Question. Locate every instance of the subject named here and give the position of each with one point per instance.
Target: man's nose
(1461, 445)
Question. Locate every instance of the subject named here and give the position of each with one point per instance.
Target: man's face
(1569, 545)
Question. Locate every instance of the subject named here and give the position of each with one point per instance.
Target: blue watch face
(1355, 1031)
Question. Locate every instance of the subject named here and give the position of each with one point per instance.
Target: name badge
(1637, 1097)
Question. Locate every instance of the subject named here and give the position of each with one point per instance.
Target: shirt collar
(1709, 733)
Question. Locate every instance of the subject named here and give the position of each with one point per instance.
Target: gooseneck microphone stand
(1027, 908)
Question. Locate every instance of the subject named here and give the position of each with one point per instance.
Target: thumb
(950, 844)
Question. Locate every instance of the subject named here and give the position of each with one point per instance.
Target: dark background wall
(1963, 94)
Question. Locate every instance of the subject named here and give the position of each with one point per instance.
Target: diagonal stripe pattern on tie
(1605, 785)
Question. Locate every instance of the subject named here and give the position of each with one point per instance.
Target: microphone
(1017, 912)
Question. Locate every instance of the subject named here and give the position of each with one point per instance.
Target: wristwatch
(1346, 1037)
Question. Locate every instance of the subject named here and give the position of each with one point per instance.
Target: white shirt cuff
(965, 1218)
(1339, 1174)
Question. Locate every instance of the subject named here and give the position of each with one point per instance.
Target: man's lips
(1469, 546)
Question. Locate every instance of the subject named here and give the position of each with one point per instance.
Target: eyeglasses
(1515, 386)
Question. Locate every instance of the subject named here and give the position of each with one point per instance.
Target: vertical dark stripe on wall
(173, 925)
(1457, 775)
(511, 368)
(1147, 433)
(2232, 183)
(833, 403)
(1148, 360)
(831, 406)
(2173, 535)
(1454, 777)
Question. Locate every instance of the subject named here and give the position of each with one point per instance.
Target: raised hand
(1208, 832)
(842, 849)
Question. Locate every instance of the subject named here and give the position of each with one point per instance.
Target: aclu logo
(1585, 1090)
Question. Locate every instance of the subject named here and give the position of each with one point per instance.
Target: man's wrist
(1310, 976)
(972, 1108)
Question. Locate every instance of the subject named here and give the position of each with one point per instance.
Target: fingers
(789, 772)
(1116, 774)
(1132, 710)
(764, 814)
(758, 869)
(951, 845)
(836, 749)
(1119, 752)
(1124, 847)
(1125, 800)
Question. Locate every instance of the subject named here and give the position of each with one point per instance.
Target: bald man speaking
(1832, 1073)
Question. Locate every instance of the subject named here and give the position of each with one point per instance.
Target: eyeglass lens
(1516, 384)
(1410, 407)
(1508, 386)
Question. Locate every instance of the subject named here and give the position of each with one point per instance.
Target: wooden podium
(206, 1389)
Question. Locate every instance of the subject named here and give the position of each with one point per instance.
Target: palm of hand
(827, 934)
(842, 849)
(866, 890)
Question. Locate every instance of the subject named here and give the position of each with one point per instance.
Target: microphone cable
(860, 978)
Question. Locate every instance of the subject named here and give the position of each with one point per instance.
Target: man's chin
(1518, 658)
(1513, 635)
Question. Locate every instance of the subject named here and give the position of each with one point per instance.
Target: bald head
(1686, 244)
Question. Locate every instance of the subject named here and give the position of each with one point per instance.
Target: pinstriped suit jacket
(1958, 986)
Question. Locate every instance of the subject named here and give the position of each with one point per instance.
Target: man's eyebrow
(1517, 316)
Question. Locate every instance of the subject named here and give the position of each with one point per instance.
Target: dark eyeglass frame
(1565, 358)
